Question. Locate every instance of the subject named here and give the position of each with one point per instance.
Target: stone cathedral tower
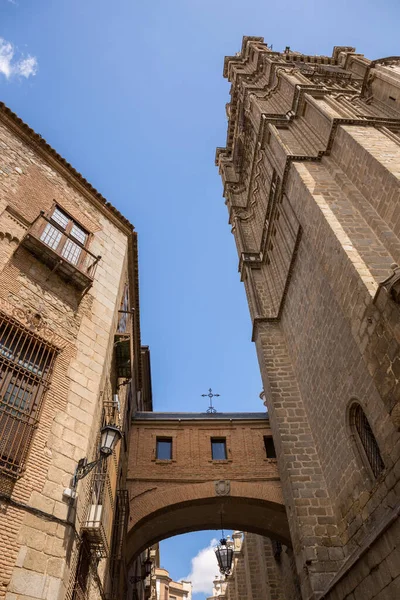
(311, 175)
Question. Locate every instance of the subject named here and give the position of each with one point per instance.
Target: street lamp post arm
(81, 472)
(84, 469)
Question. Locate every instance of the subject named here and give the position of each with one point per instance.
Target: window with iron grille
(70, 245)
(25, 367)
(366, 439)
(82, 579)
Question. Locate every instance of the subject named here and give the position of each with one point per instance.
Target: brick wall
(168, 497)
(37, 555)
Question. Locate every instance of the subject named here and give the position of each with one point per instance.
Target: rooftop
(190, 416)
(63, 166)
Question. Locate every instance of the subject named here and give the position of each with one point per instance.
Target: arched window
(366, 439)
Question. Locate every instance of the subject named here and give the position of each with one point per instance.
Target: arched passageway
(185, 468)
(247, 514)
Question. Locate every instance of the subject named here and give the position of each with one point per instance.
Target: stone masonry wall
(35, 553)
(257, 574)
(325, 321)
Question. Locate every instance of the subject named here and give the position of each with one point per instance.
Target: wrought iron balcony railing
(61, 251)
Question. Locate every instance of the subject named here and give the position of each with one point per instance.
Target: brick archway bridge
(176, 485)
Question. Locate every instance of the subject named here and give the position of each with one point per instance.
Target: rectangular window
(64, 236)
(218, 449)
(164, 448)
(25, 365)
(269, 447)
(124, 314)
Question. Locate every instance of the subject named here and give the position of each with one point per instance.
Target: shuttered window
(25, 366)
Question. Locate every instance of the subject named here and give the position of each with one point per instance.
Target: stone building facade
(70, 362)
(165, 588)
(311, 174)
(262, 569)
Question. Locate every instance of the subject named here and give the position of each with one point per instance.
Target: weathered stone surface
(312, 185)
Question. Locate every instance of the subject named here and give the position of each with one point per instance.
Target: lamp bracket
(84, 469)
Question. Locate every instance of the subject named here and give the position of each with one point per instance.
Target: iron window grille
(26, 363)
(218, 449)
(367, 440)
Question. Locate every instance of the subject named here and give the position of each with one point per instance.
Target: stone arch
(159, 512)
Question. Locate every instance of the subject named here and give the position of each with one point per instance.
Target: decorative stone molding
(33, 321)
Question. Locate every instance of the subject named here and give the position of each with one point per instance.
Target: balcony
(61, 252)
(99, 521)
(122, 342)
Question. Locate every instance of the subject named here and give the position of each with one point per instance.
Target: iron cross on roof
(210, 395)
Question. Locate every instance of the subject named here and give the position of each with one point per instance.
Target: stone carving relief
(223, 487)
(32, 321)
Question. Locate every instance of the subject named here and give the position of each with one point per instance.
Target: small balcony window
(218, 449)
(164, 449)
(61, 243)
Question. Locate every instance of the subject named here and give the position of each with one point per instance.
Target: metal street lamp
(109, 436)
(224, 556)
(147, 572)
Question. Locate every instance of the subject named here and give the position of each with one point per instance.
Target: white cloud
(11, 66)
(204, 569)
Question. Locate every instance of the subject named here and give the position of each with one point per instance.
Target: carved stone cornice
(34, 322)
(388, 60)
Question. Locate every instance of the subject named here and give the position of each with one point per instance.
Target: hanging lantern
(110, 435)
(148, 563)
(224, 557)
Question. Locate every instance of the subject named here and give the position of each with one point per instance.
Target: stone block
(27, 583)
(33, 538)
(52, 588)
(35, 561)
(42, 502)
(55, 567)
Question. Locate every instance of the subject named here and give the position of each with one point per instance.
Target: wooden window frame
(219, 440)
(66, 233)
(164, 439)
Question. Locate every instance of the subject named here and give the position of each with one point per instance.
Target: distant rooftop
(190, 416)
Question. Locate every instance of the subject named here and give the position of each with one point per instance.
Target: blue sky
(131, 93)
